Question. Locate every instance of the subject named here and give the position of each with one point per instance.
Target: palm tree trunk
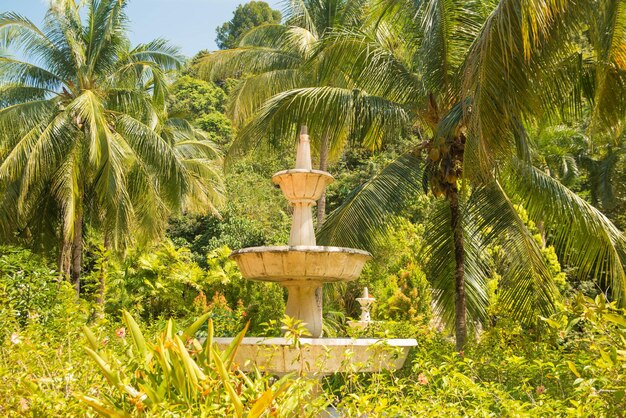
(104, 264)
(459, 273)
(321, 207)
(77, 250)
(321, 203)
(64, 256)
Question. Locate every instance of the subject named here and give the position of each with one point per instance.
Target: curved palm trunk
(77, 250)
(103, 271)
(459, 272)
(321, 207)
(65, 252)
(321, 203)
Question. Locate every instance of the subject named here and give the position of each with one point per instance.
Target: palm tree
(85, 136)
(467, 79)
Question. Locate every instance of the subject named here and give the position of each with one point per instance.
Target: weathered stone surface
(301, 263)
(320, 355)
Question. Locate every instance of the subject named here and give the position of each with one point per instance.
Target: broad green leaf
(191, 330)
(137, 336)
(110, 375)
(91, 338)
(572, 367)
(101, 408)
(225, 379)
(261, 404)
(616, 319)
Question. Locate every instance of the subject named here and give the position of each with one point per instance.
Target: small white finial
(303, 153)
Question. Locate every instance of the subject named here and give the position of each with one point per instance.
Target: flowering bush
(227, 321)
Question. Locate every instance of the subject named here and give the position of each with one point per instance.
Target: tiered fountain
(302, 267)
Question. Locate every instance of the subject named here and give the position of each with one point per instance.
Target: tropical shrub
(258, 302)
(40, 319)
(575, 367)
(155, 282)
(175, 373)
(31, 292)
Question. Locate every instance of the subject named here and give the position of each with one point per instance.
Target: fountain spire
(302, 232)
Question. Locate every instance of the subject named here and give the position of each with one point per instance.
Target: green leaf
(572, 367)
(191, 330)
(137, 336)
(91, 338)
(616, 319)
(261, 404)
(102, 408)
(111, 376)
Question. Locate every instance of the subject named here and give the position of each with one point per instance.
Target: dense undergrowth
(573, 364)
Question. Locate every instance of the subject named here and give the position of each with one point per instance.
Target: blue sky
(189, 24)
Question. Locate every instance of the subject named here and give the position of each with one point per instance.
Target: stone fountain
(302, 267)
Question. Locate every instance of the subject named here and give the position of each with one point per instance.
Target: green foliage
(85, 136)
(217, 125)
(203, 103)
(258, 302)
(177, 373)
(576, 368)
(572, 365)
(196, 97)
(31, 292)
(245, 17)
(40, 317)
(162, 281)
(255, 213)
(397, 278)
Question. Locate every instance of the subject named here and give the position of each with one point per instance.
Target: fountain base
(320, 356)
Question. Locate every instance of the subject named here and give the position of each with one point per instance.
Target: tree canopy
(245, 17)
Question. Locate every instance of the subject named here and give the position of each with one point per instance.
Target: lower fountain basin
(320, 356)
(301, 263)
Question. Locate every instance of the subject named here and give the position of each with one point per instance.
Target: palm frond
(280, 37)
(156, 155)
(234, 62)
(527, 288)
(518, 49)
(297, 13)
(252, 92)
(340, 113)
(582, 234)
(370, 65)
(13, 71)
(608, 35)
(440, 266)
(160, 52)
(49, 151)
(368, 209)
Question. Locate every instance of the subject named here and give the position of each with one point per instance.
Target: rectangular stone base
(320, 355)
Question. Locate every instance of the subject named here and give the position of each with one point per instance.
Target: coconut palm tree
(466, 79)
(84, 132)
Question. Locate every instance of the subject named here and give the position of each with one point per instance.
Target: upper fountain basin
(301, 263)
(298, 184)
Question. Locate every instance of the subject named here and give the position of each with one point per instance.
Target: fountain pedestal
(366, 302)
(302, 267)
